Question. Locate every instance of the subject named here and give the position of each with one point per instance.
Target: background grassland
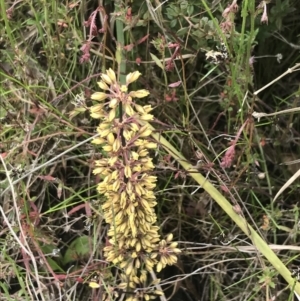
(203, 63)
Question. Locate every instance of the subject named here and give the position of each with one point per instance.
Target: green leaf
(190, 10)
(184, 5)
(172, 11)
(80, 247)
(157, 61)
(198, 34)
(55, 261)
(173, 23)
(182, 31)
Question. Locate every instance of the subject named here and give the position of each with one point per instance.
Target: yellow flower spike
(146, 133)
(154, 230)
(137, 264)
(164, 260)
(115, 175)
(93, 284)
(153, 255)
(112, 75)
(115, 198)
(149, 262)
(99, 96)
(169, 239)
(124, 88)
(110, 138)
(128, 109)
(133, 286)
(104, 125)
(151, 145)
(150, 218)
(137, 168)
(139, 93)
(101, 190)
(129, 210)
(139, 109)
(116, 145)
(140, 215)
(135, 128)
(136, 279)
(116, 185)
(115, 261)
(112, 114)
(135, 155)
(101, 162)
(148, 108)
(133, 242)
(159, 267)
(143, 153)
(98, 170)
(127, 134)
(143, 277)
(147, 117)
(148, 165)
(134, 230)
(127, 172)
(163, 243)
(112, 160)
(132, 77)
(107, 148)
(149, 268)
(150, 186)
(173, 245)
(98, 141)
(117, 222)
(102, 85)
(138, 189)
(103, 133)
(123, 227)
(150, 179)
(109, 77)
(106, 205)
(129, 269)
(97, 108)
(105, 78)
(143, 129)
(176, 251)
(123, 199)
(138, 246)
(121, 244)
(138, 142)
(172, 259)
(129, 191)
(113, 103)
(119, 215)
(122, 285)
(123, 264)
(145, 205)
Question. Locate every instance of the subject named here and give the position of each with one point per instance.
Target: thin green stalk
(121, 42)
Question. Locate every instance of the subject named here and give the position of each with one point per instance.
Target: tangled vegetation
(178, 179)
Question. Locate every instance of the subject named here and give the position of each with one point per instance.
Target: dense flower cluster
(127, 184)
